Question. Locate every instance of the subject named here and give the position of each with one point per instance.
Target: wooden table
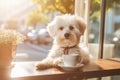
(26, 71)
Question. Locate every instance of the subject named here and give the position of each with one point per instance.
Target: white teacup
(71, 59)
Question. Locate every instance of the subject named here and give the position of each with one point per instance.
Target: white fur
(54, 28)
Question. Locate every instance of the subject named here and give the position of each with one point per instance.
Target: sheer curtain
(82, 9)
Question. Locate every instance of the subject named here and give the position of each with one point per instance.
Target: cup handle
(81, 60)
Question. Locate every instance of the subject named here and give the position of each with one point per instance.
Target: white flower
(10, 37)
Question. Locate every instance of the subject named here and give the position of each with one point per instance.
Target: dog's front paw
(58, 61)
(41, 66)
(86, 60)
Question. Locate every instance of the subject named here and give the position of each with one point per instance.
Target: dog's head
(66, 30)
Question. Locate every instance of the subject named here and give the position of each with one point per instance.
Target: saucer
(70, 68)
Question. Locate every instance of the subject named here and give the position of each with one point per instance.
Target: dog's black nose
(66, 35)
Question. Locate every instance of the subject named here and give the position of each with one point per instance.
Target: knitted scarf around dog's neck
(66, 49)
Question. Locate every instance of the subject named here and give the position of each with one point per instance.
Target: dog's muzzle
(67, 35)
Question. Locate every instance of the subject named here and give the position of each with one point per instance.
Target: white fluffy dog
(66, 31)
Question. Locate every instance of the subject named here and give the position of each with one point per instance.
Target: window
(111, 35)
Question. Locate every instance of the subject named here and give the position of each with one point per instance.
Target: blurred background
(30, 17)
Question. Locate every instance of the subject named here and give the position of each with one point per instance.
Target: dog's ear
(50, 29)
(81, 24)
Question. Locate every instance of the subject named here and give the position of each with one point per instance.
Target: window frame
(83, 7)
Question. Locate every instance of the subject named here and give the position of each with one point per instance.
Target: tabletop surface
(98, 68)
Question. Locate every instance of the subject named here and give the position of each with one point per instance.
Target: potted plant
(9, 39)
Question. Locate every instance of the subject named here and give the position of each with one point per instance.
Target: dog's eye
(61, 28)
(71, 27)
